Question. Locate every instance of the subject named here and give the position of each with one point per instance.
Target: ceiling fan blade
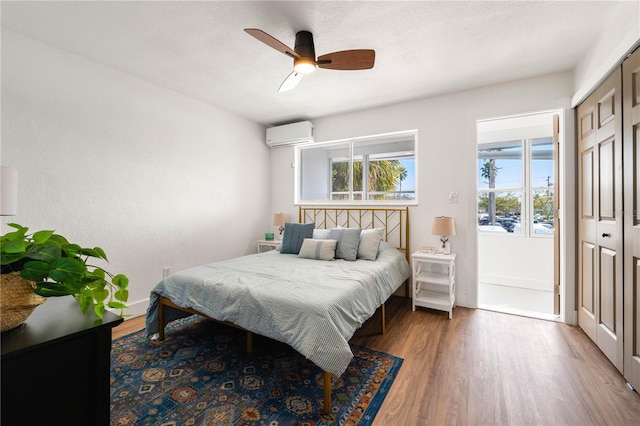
(272, 42)
(291, 81)
(357, 59)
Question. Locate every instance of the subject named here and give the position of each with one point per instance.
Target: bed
(313, 305)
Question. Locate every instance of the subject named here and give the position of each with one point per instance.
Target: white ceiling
(422, 48)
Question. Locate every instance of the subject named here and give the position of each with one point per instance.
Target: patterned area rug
(202, 375)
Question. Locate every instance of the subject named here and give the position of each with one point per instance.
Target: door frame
(567, 210)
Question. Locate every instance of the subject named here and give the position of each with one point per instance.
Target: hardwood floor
(485, 367)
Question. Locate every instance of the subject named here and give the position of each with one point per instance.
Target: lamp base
(446, 247)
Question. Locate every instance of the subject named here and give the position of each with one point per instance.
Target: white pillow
(318, 249)
(320, 234)
(369, 243)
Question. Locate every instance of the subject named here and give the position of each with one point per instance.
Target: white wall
(446, 156)
(514, 261)
(153, 177)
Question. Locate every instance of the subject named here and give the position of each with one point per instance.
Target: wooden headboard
(394, 220)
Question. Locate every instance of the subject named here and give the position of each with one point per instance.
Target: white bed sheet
(314, 306)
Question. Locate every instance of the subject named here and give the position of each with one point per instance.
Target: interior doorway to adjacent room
(517, 176)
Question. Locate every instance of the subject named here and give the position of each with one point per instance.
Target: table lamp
(443, 226)
(279, 219)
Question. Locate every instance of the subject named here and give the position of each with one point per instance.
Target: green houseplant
(60, 268)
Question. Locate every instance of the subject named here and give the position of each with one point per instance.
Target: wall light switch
(453, 197)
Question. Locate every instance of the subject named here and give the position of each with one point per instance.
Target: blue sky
(409, 183)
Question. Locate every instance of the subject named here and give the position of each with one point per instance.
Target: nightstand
(266, 245)
(434, 281)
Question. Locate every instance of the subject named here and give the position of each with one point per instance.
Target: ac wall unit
(290, 134)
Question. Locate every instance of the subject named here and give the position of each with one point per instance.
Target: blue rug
(202, 375)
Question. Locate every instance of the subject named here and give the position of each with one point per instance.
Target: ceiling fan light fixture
(304, 66)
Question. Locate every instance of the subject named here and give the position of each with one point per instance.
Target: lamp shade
(443, 225)
(279, 219)
(8, 191)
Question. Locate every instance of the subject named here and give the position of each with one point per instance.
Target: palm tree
(402, 176)
(383, 176)
(489, 171)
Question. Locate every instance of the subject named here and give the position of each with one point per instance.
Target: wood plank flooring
(485, 367)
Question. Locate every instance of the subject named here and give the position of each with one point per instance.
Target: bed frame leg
(327, 393)
(383, 311)
(161, 321)
(249, 342)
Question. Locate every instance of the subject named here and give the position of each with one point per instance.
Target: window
(373, 170)
(515, 188)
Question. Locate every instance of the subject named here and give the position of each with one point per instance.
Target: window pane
(318, 166)
(499, 211)
(339, 176)
(543, 211)
(542, 162)
(387, 176)
(357, 175)
(500, 165)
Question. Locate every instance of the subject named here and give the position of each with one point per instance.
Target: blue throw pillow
(348, 242)
(294, 235)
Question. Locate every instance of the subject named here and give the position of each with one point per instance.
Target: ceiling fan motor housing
(304, 47)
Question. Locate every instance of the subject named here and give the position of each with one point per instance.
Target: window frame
(351, 143)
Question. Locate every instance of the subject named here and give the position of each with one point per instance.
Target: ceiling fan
(304, 57)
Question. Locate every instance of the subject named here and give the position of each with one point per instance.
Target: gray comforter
(314, 306)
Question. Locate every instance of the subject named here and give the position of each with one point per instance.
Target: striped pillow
(318, 249)
(294, 233)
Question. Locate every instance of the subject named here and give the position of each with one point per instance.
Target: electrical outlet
(453, 197)
(166, 271)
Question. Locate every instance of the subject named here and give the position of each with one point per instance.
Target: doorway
(517, 176)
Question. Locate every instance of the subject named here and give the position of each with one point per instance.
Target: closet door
(600, 260)
(631, 111)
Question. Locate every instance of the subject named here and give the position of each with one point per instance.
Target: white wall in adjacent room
(153, 177)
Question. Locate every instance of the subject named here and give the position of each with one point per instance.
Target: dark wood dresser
(56, 367)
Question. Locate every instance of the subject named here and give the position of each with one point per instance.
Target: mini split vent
(291, 134)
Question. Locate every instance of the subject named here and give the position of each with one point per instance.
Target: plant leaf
(58, 240)
(9, 258)
(100, 294)
(42, 236)
(116, 305)
(99, 310)
(14, 246)
(35, 270)
(89, 252)
(45, 253)
(122, 295)
(66, 269)
(50, 289)
(100, 253)
(72, 250)
(85, 301)
(121, 281)
(96, 274)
